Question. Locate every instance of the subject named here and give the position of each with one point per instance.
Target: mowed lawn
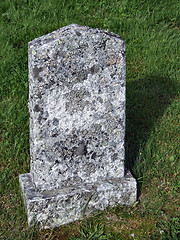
(150, 29)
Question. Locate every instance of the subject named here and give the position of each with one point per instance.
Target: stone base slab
(60, 206)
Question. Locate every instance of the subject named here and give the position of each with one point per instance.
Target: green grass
(150, 30)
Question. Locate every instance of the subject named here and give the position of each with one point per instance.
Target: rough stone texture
(77, 78)
(53, 208)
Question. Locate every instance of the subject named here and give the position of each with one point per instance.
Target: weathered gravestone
(77, 87)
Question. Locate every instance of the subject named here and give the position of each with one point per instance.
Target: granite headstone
(77, 95)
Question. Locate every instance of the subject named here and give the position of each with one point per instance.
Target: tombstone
(77, 85)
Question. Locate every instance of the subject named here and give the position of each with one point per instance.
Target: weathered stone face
(77, 106)
(77, 126)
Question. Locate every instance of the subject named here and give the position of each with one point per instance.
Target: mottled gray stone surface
(60, 206)
(77, 79)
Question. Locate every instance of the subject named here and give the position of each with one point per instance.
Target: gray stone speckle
(77, 80)
(56, 207)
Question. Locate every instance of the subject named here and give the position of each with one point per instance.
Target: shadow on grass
(146, 100)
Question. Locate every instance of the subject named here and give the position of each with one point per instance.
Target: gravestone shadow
(146, 101)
